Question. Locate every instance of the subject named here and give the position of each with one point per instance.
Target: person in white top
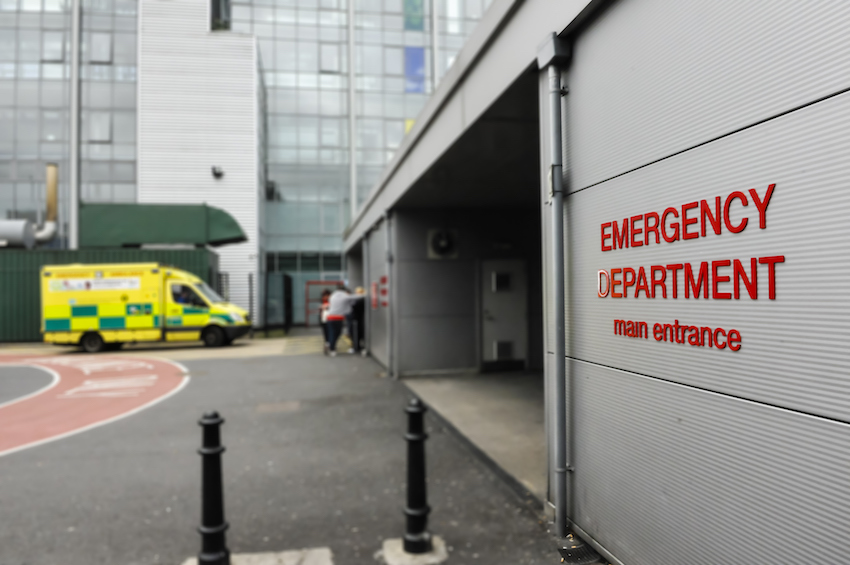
(339, 306)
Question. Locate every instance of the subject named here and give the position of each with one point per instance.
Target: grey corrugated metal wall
(20, 291)
(377, 331)
(687, 454)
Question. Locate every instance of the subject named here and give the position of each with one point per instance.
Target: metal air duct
(17, 233)
(47, 230)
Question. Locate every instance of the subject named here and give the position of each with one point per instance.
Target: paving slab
(502, 414)
(318, 556)
(392, 553)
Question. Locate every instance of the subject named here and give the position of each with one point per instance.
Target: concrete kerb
(529, 500)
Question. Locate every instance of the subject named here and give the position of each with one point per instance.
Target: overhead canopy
(133, 225)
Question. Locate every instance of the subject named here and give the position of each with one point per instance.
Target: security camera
(217, 172)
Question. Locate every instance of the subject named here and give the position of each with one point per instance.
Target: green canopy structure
(135, 225)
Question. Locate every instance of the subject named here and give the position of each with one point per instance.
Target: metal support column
(352, 115)
(435, 45)
(74, 156)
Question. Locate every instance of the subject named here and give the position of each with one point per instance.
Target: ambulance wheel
(92, 343)
(213, 337)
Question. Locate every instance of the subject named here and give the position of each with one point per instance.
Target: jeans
(354, 332)
(334, 331)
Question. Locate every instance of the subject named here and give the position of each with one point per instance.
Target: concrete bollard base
(393, 553)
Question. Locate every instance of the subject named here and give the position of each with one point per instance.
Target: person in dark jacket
(357, 323)
(323, 318)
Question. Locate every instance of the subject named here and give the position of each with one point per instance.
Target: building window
(100, 48)
(100, 127)
(287, 262)
(393, 61)
(414, 15)
(52, 126)
(310, 262)
(329, 58)
(53, 47)
(454, 16)
(414, 69)
(394, 131)
(220, 15)
(331, 262)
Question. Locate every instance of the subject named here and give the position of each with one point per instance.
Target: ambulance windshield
(209, 293)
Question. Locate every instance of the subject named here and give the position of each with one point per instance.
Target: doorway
(504, 315)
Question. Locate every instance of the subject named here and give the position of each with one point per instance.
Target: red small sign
(381, 289)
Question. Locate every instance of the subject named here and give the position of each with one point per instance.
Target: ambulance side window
(184, 294)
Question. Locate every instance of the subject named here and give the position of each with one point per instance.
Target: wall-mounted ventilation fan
(442, 243)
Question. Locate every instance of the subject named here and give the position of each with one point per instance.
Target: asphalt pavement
(16, 382)
(315, 458)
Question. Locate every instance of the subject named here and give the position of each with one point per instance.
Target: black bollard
(416, 538)
(213, 548)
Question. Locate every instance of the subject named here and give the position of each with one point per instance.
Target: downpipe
(562, 493)
(390, 295)
(553, 55)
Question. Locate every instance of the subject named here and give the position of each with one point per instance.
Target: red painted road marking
(87, 391)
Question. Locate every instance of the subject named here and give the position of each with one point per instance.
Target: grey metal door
(504, 310)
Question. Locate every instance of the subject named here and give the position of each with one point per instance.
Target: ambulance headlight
(237, 318)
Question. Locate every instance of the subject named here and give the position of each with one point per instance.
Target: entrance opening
(465, 319)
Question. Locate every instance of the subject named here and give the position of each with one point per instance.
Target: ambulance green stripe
(61, 325)
(112, 323)
(106, 323)
(83, 311)
(190, 310)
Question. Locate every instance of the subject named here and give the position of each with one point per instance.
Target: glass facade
(34, 102)
(304, 49)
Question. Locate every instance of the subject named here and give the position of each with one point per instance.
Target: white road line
(177, 364)
(98, 424)
(56, 379)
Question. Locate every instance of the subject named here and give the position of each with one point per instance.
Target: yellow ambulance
(104, 306)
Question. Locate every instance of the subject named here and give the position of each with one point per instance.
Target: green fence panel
(20, 293)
